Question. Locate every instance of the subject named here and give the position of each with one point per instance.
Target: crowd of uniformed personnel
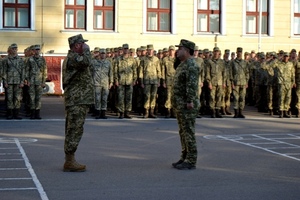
(141, 80)
(23, 80)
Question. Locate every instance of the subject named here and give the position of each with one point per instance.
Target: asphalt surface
(239, 159)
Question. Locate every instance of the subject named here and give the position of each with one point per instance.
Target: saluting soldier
(13, 79)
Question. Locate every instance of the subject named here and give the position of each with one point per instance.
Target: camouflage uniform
(103, 77)
(261, 82)
(297, 81)
(150, 75)
(272, 90)
(185, 90)
(13, 77)
(228, 87)
(200, 63)
(79, 94)
(37, 75)
(239, 78)
(125, 76)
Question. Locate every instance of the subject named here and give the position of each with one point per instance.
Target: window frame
(17, 6)
(159, 11)
(294, 15)
(104, 9)
(75, 7)
(209, 12)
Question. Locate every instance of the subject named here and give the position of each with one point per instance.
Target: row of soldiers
(142, 80)
(23, 79)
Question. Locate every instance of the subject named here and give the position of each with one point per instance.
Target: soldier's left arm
(192, 79)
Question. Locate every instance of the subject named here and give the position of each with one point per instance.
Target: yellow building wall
(49, 28)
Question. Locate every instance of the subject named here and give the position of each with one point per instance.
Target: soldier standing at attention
(13, 80)
(125, 78)
(103, 79)
(200, 62)
(228, 87)
(150, 75)
(185, 101)
(215, 77)
(37, 75)
(239, 78)
(79, 94)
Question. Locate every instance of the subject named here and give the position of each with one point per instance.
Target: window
(159, 15)
(208, 16)
(16, 13)
(252, 16)
(75, 14)
(104, 14)
(296, 17)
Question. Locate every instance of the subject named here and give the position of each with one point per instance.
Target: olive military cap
(293, 51)
(246, 53)
(131, 50)
(108, 50)
(171, 47)
(143, 48)
(205, 51)
(200, 51)
(150, 46)
(285, 54)
(160, 51)
(227, 51)
(281, 52)
(165, 49)
(239, 49)
(102, 50)
(96, 49)
(76, 39)
(14, 45)
(196, 48)
(187, 44)
(216, 49)
(125, 46)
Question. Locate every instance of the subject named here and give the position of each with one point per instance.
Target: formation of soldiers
(141, 80)
(23, 80)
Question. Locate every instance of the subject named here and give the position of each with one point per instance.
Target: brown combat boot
(71, 165)
(152, 115)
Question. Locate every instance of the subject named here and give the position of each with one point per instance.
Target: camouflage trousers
(150, 92)
(298, 96)
(284, 97)
(272, 96)
(239, 94)
(14, 95)
(75, 118)
(125, 98)
(35, 93)
(101, 96)
(215, 97)
(168, 97)
(226, 96)
(186, 123)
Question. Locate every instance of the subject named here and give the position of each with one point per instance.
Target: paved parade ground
(257, 158)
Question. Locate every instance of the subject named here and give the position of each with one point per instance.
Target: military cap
(285, 54)
(227, 51)
(96, 49)
(160, 51)
(37, 46)
(246, 53)
(281, 52)
(205, 51)
(131, 50)
(196, 48)
(111, 50)
(200, 51)
(120, 48)
(165, 49)
(76, 39)
(108, 50)
(14, 45)
(150, 46)
(262, 55)
(216, 49)
(239, 49)
(293, 51)
(252, 51)
(138, 49)
(143, 48)
(125, 46)
(171, 47)
(102, 50)
(187, 44)
(116, 49)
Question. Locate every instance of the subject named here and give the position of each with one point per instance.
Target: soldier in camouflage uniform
(13, 80)
(228, 87)
(286, 81)
(37, 75)
(204, 97)
(261, 83)
(150, 75)
(125, 78)
(79, 94)
(239, 78)
(185, 101)
(297, 81)
(200, 63)
(103, 78)
(215, 78)
(167, 75)
(140, 90)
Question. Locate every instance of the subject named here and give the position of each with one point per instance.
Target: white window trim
(222, 22)
(173, 20)
(270, 25)
(32, 18)
(292, 35)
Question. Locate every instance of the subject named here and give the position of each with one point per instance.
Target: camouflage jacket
(36, 70)
(261, 74)
(13, 70)
(215, 72)
(102, 72)
(297, 73)
(227, 73)
(186, 86)
(285, 73)
(150, 70)
(77, 79)
(239, 72)
(125, 71)
(200, 63)
(168, 71)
